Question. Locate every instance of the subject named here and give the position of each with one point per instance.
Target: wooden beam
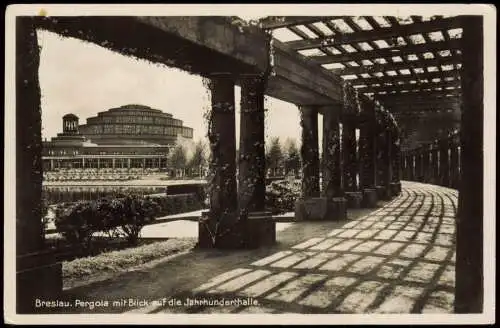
(419, 100)
(395, 66)
(402, 78)
(421, 106)
(378, 34)
(407, 98)
(389, 52)
(418, 94)
(274, 22)
(410, 87)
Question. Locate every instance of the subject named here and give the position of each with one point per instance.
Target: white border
(246, 10)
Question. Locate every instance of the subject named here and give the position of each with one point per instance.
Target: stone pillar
(129, 162)
(454, 174)
(444, 170)
(396, 166)
(387, 164)
(307, 206)
(426, 164)
(52, 165)
(418, 164)
(435, 163)
(252, 166)
(221, 227)
(260, 228)
(113, 160)
(37, 273)
(309, 151)
(469, 292)
(98, 163)
(350, 166)
(367, 153)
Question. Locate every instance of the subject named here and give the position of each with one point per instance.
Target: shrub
(75, 224)
(281, 196)
(135, 212)
(117, 217)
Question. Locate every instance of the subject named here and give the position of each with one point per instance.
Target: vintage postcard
(250, 164)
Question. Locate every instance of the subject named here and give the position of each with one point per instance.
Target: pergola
(411, 65)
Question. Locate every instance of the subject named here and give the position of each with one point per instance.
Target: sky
(82, 78)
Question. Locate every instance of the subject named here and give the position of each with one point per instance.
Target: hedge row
(124, 217)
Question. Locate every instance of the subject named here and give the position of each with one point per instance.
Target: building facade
(130, 136)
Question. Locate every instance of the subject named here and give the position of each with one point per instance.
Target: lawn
(83, 271)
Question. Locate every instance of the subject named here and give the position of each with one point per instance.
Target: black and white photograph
(236, 164)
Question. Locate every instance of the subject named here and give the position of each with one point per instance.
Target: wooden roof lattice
(381, 55)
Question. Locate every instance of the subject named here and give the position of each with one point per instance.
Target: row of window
(141, 119)
(52, 152)
(137, 129)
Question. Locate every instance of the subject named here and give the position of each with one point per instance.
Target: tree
(199, 158)
(178, 158)
(274, 155)
(292, 158)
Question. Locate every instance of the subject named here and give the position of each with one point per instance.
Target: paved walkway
(397, 259)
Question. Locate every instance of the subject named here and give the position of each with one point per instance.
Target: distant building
(131, 136)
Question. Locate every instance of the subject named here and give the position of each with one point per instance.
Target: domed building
(130, 136)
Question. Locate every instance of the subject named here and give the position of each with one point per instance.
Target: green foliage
(199, 157)
(274, 154)
(282, 195)
(292, 158)
(178, 157)
(125, 217)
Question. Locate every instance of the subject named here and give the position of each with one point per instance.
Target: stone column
(37, 273)
(444, 169)
(367, 153)
(350, 166)
(309, 151)
(113, 163)
(220, 227)
(387, 164)
(260, 229)
(52, 165)
(418, 164)
(306, 205)
(129, 162)
(426, 164)
(435, 163)
(252, 166)
(454, 174)
(396, 166)
(469, 291)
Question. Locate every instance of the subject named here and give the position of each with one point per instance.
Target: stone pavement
(397, 259)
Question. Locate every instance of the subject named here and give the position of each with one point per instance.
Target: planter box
(354, 199)
(370, 198)
(258, 229)
(383, 193)
(321, 208)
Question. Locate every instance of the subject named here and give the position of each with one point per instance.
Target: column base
(383, 193)
(370, 198)
(258, 229)
(321, 209)
(354, 199)
(395, 188)
(38, 276)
